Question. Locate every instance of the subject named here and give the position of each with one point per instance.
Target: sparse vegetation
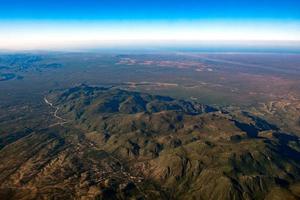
(125, 140)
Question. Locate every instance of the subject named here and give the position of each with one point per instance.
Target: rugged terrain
(109, 143)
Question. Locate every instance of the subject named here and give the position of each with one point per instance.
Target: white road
(62, 121)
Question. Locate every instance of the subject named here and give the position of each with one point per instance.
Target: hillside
(117, 144)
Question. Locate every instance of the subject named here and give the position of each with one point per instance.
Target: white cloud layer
(56, 35)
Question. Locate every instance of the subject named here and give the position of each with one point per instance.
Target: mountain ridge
(128, 145)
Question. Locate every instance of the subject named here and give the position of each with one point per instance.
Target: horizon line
(161, 44)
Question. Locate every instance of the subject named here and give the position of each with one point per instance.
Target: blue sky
(150, 9)
(40, 23)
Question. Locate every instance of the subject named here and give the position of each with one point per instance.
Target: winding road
(62, 120)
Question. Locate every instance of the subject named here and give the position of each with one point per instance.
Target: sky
(36, 24)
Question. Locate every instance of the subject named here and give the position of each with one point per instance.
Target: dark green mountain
(114, 144)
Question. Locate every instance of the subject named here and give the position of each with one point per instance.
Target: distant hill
(118, 144)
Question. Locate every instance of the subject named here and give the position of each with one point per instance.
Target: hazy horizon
(65, 24)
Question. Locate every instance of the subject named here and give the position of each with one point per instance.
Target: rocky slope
(120, 144)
